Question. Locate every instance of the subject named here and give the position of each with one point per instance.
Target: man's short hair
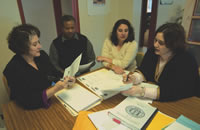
(67, 18)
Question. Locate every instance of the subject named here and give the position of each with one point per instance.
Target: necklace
(160, 67)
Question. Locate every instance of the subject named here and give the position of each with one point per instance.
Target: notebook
(133, 113)
(102, 82)
(78, 98)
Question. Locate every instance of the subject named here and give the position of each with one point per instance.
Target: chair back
(139, 58)
(199, 71)
(6, 84)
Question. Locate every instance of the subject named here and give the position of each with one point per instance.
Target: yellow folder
(83, 122)
(159, 121)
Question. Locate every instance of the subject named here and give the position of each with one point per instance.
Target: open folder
(77, 99)
(103, 82)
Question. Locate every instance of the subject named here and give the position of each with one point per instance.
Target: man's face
(69, 29)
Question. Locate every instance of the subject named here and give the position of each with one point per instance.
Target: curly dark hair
(66, 18)
(20, 36)
(174, 36)
(113, 36)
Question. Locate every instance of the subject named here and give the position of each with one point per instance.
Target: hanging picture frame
(98, 7)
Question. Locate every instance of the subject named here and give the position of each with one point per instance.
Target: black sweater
(26, 83)
(179, 78)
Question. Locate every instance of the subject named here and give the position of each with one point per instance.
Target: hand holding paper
(136, 91)
(61, 84)
(128, 78)
(66, 82)
(70, 82)
(134, 78)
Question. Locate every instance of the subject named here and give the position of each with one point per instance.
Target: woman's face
(159, 45)
(122, 32)
(34, 46)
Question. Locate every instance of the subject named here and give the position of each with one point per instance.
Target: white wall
(166, 13)
(137, 4)
(10, 17)
(41, 14)
(98, 27)
(66, 6)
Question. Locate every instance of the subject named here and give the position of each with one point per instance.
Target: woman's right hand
(127, 78)
(66, 83)
(134, 78)
(71, 81)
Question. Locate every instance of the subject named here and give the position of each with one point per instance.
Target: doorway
(148, 22)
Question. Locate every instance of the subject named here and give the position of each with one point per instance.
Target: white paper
(121, 88)
(78, 98)
(177, 126)
(102, 121)
(85, 67)
(73, 68)
(132, 112)
(102, 80)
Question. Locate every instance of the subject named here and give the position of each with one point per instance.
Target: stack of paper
(133, 113)
(77, 99)
(103, 82)
(102, 121)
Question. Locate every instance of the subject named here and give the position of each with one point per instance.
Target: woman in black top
(30, 73)
(169, 66)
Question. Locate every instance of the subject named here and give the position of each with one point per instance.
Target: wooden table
(57, 117)
(189, 107)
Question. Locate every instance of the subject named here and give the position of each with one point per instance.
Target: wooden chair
(6, 84)
(139, 58)
(199, 71)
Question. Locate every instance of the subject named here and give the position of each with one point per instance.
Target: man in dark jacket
(69, 45)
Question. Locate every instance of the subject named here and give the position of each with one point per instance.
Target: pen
(118, 121)
(70, 81)
(130, 73)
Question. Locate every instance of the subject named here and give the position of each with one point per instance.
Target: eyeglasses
(159, 41)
